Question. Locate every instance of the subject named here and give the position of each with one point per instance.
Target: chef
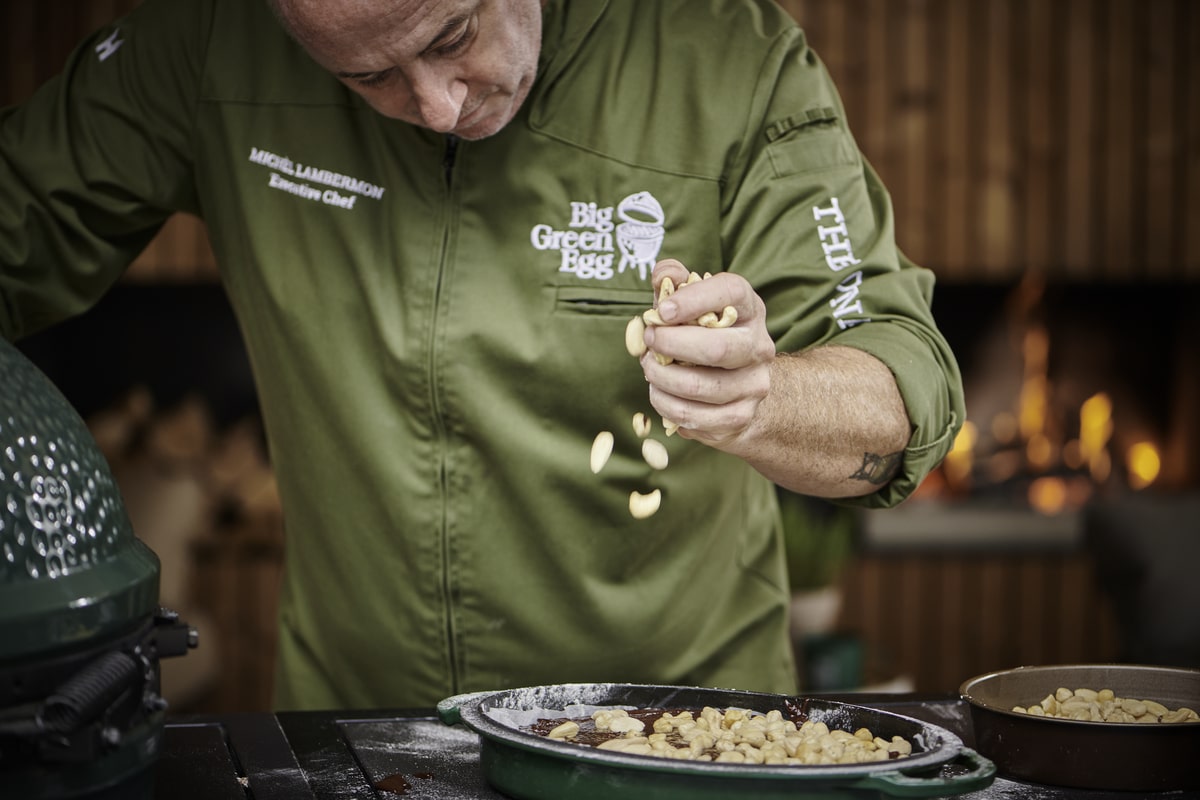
(436, 221)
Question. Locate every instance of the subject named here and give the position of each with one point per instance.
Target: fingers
(687, 297)
(705, 351)
(714, 386)
(685, 300)
(705, 422)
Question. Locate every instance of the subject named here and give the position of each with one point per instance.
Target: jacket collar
(565, 25)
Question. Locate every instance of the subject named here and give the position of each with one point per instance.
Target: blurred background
(1044, 160)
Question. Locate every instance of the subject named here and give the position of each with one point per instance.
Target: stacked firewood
(204, 499)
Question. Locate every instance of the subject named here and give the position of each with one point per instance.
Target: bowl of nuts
(1121, 727)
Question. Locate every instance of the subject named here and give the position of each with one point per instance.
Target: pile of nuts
(654, 452)
(737, 736)
(1089, 705)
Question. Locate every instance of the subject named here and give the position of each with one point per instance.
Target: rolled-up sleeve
(811, 226)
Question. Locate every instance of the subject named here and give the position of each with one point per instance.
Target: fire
(1031, 444)
(960, 460)
(1143, 463)
(1035, 395)
(1095, 430)
(1048, 495)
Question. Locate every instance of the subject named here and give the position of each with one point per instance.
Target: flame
(960, 460)
(1030, 441)
(1034, 399)
(1048, 495)
(1095, 429)
(1143, 463)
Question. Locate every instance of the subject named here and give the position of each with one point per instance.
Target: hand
(726, 372)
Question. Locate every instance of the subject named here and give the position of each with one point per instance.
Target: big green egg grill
(81, 631)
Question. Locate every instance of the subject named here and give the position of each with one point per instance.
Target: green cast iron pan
(524, 765)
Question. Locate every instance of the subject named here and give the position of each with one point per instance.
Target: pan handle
(968, 772)
(449, 710)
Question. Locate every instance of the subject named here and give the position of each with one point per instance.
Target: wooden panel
(1053, 136)
(1080, 127)
(939, 619)
(180, 252)
(1056, 136)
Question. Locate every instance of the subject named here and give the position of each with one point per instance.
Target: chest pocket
(602, 301)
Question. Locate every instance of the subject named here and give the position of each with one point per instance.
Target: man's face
(453, 66)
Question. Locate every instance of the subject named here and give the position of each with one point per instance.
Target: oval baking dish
(524, 765)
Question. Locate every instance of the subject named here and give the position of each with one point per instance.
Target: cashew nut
(626, 725)
(710, 319)
(650, 317)
(743, 736)
(666, 289)
(670, 427)
(641, 425)
(602, 447)
(635, 341)
(642, 506)
(655, 453)
(566, 730)
(1089, 705)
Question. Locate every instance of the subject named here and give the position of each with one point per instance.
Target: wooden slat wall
(938, 619)
(1057, 136)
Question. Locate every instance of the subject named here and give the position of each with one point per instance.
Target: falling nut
(602, 447)
(641, 425)
(642, 506)
(670, 427)
(655, 453)
(635, 341)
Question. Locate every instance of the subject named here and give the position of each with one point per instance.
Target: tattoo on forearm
(878, 469)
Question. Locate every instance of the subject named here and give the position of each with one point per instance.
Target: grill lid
(70, 567)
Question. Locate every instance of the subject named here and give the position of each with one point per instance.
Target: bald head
(454, 66)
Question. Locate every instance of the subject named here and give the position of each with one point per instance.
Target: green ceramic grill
(81, 632)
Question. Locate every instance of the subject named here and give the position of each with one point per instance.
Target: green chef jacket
(437, 332)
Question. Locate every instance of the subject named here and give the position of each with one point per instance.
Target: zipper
(449, 157)
(448, 160)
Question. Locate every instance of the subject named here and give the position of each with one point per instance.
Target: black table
(330, 755)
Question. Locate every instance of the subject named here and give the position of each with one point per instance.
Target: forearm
(832, 424)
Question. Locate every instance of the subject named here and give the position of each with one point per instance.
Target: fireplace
(1064, 525)
(1075, 392)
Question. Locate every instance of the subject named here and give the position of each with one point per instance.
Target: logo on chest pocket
(589, 245)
